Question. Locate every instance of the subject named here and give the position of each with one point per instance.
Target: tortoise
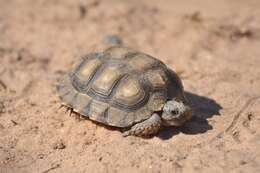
(125, 88)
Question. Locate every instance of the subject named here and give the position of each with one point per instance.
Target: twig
(236, 117)
(52, 168)
(233, 122)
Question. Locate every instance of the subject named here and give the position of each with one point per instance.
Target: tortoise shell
(119, 87)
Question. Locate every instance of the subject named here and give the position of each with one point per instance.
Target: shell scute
(97, 110)
(157, 100)
(118, 52)
(69, 97)
(129, 92)
(87, 68)
(116, 117)
(80, 102)
(142, 113)
(107, 79)
(157, 78)
(141, 62)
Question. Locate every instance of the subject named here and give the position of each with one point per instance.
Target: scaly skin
(145, 128)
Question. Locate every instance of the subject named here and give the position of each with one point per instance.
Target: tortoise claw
(61, 106)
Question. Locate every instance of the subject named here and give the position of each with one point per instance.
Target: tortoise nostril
(174, 112)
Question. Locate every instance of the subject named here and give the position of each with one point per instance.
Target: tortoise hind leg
(145, 128)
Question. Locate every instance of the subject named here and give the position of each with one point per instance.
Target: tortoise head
(175, 113)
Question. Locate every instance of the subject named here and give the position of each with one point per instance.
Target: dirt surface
(213, 45)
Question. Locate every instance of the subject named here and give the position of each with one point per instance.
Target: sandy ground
(213, 45)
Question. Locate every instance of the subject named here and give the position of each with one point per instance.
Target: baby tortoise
(125, 88)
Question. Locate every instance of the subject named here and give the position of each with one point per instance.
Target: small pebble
(41, 156)
(59, 145)
(100, 159)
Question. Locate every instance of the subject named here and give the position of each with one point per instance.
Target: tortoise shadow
(204, 108)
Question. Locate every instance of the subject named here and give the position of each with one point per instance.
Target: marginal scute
(157, 100)
(116, 117)
(157, 78)
(118, 52)
(106, 80)
(81, 101)
(175, 87)
(129, 119)
(68, 97)
(142, 114)
(141, 62)
(130, 92)
(87, 69)
(64, 86)
(97, 111)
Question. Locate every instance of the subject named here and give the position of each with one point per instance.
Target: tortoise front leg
(145, 128)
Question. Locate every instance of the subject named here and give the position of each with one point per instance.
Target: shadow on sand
(204, 108)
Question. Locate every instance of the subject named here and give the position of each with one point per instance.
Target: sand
(213, 46)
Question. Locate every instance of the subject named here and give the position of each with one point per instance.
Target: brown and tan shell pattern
(119, 87)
